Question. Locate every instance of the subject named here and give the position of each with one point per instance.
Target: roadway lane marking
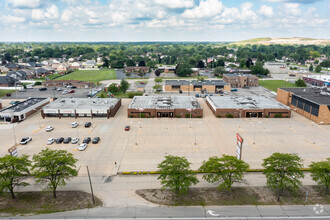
(39, 129)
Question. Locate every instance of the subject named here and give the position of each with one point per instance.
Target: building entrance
(165, 114)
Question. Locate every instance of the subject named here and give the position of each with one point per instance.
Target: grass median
(274, 84)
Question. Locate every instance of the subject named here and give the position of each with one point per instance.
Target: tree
(158, 80)
(54, 167)
(175, 173)
(220, 63)
(13, 171)
(311, 68)
(320, 173)
(105, 63)
(249, 63)
(282, 171)
(258, 69)
(113, 88)
(227, 170)
(157, 72)
(318, 69)
(151, 64)
(242, 63)
(300, 83)
(184, 69)
(325, 63)
(142, 63)
(123, 86)
(219, 71)
(130, 63)
(119, 64)
(200, 64)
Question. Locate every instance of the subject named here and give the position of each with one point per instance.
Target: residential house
(131, 69)
(12, 66)
(6, 81)
(17, 75)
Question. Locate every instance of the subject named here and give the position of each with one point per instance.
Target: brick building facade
(241, 81)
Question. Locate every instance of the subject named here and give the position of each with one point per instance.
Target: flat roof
(245, 102)
(321, 77)
(318, 96)
(21, 106)
(157, 102)
(238, 75)
(196, 82)
(82, 103)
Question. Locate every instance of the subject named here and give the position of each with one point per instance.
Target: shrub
(132, 94)
(229, 116)
(187, 115)
(278, 115)
(142, 115)
(38, 83)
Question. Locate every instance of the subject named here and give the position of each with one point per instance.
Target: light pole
(321, 122)
(14, 135)
(255, 131)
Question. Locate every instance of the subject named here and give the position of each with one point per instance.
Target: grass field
(274, 84)
(3, 92)
(90, 75)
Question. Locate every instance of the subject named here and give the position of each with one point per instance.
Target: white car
(74, 124)
(74, 140)
(65, 92)
(50, 141)
(82, 146)
(49, 128)
(59, 89)
(25, 140)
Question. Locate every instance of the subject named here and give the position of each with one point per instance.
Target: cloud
(175, 3)
(266, 11)
(205, 9)
(292, 9)
(49, 13)
(247, 13)
(9, 19)
(27, 4)
(296, 1)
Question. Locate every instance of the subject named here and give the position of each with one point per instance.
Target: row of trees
(51, 168)
(114, 89)
(282, 171)
(160, 53)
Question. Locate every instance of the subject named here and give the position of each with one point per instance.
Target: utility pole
(90, 183)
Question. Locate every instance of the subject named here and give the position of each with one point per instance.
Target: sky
(162, 20)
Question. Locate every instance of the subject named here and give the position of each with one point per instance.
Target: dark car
(42, 89)
(96, 140)
(67, 140)
(59, 140)
(127, 128)
(88, 124)
(87, 140)
(71, 91)
(73, 87)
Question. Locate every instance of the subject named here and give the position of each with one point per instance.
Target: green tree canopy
(13, 171)
(175, 173)
(282, 171)
(258, 69)
(123, 85)
(113, 88)
(158, 80)
(219, 70)
(53, 168)
(318, 68)
(311, 68)
(130, 63)
(320, 173)
(300, 83)
(227, 170)
(184, 69)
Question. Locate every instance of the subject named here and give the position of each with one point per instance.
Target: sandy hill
(294, 40)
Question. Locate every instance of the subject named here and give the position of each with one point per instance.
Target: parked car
(25, 140)
(59, 140)
(82, 146)
(22, 90)
(233, 90)
(74, 140)
(49, 128)
(197, 95)
(67, 140)
(43, 89)
(74, 124)
(127, 128)
(65, 92)
(71, 91)
(96, 140)
(50, 141)
(73, 87)
(59, 89)
(87, 140)
(88, 124)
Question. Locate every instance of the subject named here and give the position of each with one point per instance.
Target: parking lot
(149, 140)
(79, 93)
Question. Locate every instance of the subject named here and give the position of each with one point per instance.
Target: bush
(187, 115)
(132, 94)
(38, 83)
(142, 115)
(278, 115)
(229, 116)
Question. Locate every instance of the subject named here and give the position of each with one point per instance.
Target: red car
(71, 91)
(127, 128)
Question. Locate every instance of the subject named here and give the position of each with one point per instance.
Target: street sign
(239, 144)
(13, 151)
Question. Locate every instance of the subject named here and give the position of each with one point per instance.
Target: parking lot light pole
(316, 125)
(14, 135)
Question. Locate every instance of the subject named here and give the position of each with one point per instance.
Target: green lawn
(274, 84)
(90, 75)
(3, 92)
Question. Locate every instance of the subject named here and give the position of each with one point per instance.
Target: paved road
(218, 212)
